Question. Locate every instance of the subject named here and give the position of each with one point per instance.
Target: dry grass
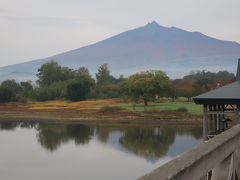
(91, 110)
(93, 105)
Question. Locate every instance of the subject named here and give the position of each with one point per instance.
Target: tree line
(55, 82)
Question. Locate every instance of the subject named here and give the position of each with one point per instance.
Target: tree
(55, 91)
(195, 75)
(12, 85)
(66, 74)
(6, 94)
(186, 92)
(48, 73)
(184, 88)
(204, 84)
(82, 71)
(105, 92)
(172, 93)
(103, 75)
(52, 72)
(146, 85)
(26, 87)
(77, 89)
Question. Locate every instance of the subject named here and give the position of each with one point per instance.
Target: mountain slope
(149, 47)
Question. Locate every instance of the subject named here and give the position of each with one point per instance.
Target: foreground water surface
(53, 151)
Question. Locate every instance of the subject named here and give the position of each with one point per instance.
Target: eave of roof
(229, 94)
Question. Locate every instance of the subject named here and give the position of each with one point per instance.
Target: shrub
(182, 109)
(21, 99)
(105, 92)
(53, 92)
(12, 85)
(78, 89)
(110, 109)
(6, 94)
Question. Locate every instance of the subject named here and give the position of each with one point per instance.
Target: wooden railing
(216, 159)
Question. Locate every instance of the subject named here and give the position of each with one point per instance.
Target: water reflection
(87, 151)
(9, 126)
(147, 142)
(52, 136)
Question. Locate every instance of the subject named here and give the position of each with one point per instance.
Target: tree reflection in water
(8, 126)
(149, 142)
(52, 136)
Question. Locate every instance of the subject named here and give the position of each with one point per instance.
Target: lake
(60, 151)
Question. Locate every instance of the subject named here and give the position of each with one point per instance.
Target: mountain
(152, 46)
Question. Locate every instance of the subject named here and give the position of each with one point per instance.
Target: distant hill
(152, 46)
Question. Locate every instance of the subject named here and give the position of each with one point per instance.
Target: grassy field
(109, 109)
(95, 105)
(190, 106)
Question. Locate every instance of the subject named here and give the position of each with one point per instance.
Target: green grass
(190, 106)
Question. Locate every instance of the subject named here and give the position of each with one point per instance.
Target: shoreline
(88, 112)
(104, 121)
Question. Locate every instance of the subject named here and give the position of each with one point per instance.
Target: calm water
(48, 151)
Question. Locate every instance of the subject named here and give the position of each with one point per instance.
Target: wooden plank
(220, 112)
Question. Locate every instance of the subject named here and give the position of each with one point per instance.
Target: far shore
(89, 112)
(149, 122)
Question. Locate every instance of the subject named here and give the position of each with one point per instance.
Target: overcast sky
(33, 29)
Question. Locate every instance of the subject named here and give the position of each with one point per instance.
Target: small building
(217, 104)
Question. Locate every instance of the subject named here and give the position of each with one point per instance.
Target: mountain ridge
(150, 46)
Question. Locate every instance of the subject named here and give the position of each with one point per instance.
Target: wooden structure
(218, 158)
(217, 104)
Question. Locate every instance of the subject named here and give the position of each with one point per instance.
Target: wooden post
(215, 120)
(211, 120)
(223, 116)
(238, 114)
(205, 122)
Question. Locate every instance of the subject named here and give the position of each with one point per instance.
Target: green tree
(105, 92)
(6, 94)
(53, 92)
(195, 75)
(103, 75)
(146, 85)
(12, 85)
(26, 87)
(66, 74)
(82, 71)
(187, 93)
(52, 72)
(77, 89)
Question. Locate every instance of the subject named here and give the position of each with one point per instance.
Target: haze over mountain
(152, 46)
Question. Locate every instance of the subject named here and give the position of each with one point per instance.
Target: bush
(53, 92)
(6, 94)
(12, 85)
(182, 109)
(105, 92)
(21, 99)
(78, 89)
(110, 109)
